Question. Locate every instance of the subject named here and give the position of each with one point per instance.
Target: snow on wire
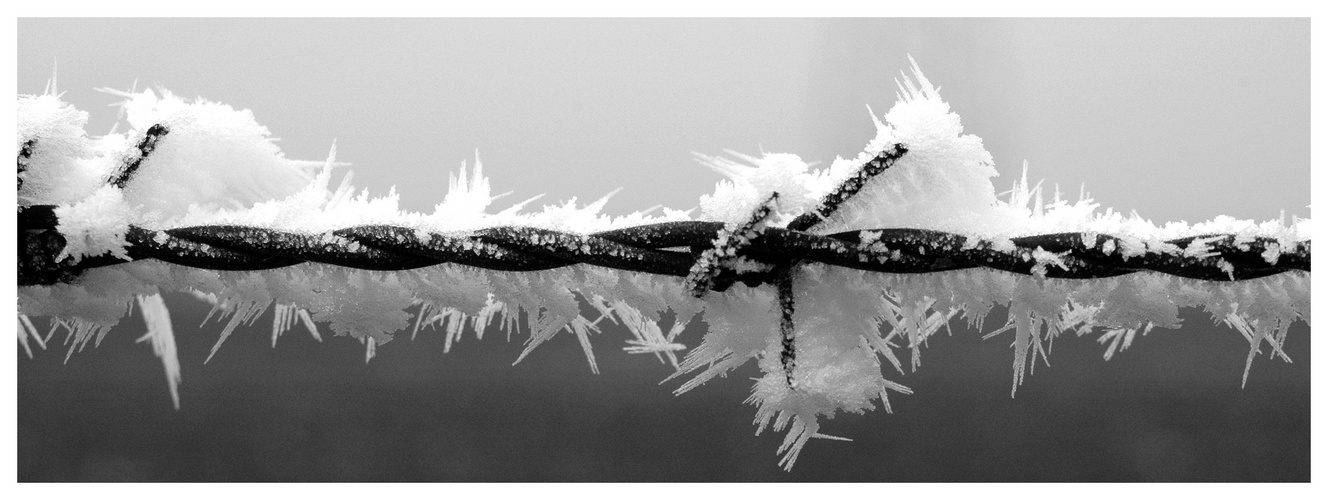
(816, 275)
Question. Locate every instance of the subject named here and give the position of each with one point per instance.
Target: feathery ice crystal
(218, 166)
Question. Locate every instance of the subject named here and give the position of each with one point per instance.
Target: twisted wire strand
(643, 249)
(711, 248)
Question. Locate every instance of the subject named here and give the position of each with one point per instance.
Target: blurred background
(1178, 119)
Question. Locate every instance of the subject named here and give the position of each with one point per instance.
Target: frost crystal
(819, 337)
(162, 336)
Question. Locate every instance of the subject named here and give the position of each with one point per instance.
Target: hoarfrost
(218, 166)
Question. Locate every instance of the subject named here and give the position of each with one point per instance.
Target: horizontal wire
(516, 248)
(709, 264)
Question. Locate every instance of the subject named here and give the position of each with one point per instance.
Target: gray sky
(1177, 119)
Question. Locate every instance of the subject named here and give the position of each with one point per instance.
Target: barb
(135, 158)
(24, 155)
(788, 349)
(714, 260)
(848, 188)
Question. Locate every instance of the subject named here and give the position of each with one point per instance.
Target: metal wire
(640, 249)
(707, 260)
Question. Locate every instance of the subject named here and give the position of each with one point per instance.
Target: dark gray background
(1178, 119)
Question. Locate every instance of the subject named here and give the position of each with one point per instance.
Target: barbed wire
(701, 250)
(709, 255)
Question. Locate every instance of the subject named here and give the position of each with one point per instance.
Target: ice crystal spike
(162, 337)
(815, 274)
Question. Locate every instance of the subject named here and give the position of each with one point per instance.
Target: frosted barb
(788, 351)
(723, 254)
(846, 189)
